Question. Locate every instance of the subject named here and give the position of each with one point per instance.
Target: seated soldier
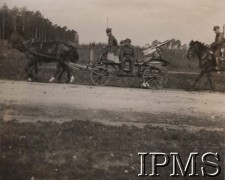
(122, 42)
(216, 46)
(127, 54)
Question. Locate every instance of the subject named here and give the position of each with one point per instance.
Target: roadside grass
(179, 62)
(12, 63)
(86, 150)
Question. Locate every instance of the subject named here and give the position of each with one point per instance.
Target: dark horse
(206, 61)
(48, 52)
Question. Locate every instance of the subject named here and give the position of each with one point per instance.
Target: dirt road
(93, 132)
(59, 102)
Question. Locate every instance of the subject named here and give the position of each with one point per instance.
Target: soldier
(112, 43)
(216, 46)
(127, 53)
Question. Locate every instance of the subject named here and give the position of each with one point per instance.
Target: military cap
(215, 28)
(122, 41)
(128, 40)
(108, 30)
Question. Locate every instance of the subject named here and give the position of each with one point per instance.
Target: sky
(140, 20)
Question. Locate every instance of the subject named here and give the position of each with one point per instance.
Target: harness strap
(51, 57)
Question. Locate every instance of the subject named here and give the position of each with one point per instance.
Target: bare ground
(60, 131)
(55, 97)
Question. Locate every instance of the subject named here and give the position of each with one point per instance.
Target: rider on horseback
(216, 46)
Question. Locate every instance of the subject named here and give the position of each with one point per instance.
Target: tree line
(32, 24)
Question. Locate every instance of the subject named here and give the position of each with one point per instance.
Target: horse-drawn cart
(150, 69)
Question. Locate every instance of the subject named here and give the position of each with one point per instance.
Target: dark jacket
(127, 51)
(219, 40)
(112, 42)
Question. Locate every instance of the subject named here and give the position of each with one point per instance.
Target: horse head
(197, 48)
(192, 50)
(73, 54)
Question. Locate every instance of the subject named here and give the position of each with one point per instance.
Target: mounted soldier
(127, 54)
(217, 45)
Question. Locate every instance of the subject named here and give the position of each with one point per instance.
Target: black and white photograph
(112, 89)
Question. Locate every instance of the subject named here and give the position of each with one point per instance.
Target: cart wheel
(154, 77)
(100, 76)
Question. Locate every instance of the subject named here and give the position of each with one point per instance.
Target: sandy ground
(63, 101)
(89, 132)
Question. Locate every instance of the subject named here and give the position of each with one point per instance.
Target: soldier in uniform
(122, 42)
(216, 46)
(112, 42)
(127, 54)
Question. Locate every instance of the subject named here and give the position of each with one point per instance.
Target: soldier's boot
(222, 50)
(132, 68)
(216, 63)
(122, 67)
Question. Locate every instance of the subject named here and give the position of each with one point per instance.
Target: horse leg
(210, 81)
(70, 76)
(197, 79)
(72, 79)
(58, 70)
(67, 69)
(29, 70)
(55, 75)
(62, 70)
(35, 66)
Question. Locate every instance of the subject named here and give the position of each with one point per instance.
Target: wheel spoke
(99, 80)
(95, 73)
(100, 76)
(155, 78)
